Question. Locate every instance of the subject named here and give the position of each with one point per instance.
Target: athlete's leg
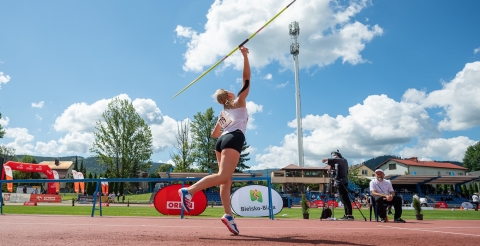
(228, 162)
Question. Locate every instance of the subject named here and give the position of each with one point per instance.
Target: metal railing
(99, 181)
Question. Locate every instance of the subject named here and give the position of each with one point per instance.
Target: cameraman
(341, 181)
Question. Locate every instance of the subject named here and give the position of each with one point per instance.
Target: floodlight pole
(294, 30)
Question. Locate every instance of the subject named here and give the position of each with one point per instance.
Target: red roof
(415, 162)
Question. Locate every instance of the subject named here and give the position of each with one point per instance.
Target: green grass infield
(217, 212)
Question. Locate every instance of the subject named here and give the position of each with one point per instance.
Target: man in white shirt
(383, 193)
(475, 201)
(423, 202)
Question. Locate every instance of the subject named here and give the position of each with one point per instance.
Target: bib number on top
(224, 121)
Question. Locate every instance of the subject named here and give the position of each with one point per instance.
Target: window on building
(392, 166)
(364, 172)
(439, 174)
(460, 173)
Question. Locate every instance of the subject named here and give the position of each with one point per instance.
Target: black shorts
(232, 140)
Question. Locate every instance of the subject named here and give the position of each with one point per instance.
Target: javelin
(236, 48)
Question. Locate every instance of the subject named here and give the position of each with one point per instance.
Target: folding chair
(373, 207)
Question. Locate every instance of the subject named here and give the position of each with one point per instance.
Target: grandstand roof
(413, 161)
(295, 167)
(430, 179)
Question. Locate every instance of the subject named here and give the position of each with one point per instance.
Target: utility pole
(294, 30)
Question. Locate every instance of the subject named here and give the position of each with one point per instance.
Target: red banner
(331, 202)
(441, 205)
(358, 205)
(167, 201)
(45, 198)
(29, 204)
(317, 204)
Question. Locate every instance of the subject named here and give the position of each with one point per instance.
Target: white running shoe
(186, 198)
(229, 221)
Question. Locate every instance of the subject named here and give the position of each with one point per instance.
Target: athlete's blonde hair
(222, 97)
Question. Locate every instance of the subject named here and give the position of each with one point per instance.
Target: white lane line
(445, 232)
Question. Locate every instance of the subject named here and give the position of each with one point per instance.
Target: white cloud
(80, 117)
(79, 121)
(164, 134)
(376, 127)
(458, 98)
(268, 76)
(475, 51)
(328, 32)
(21, 141)
(4, 121)
(38, 117)
(38, 105)
(147, 109)
(252, 108)
(447, 149)
(282, 85)
(3, 79)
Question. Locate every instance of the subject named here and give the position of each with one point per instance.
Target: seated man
(383, 193)
(423, 202)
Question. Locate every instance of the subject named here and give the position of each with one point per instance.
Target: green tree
(241, 166)
(164, 168)
(75, 165)
(353, 177)
(2, 131)
(91, 185)
(471, 160)
(184, 158)
(123, 141)
(203, 142)
(28, 159)
(8, 154)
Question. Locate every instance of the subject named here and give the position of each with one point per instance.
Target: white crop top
(233, 119)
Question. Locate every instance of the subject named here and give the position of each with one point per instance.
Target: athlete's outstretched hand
(244, 50)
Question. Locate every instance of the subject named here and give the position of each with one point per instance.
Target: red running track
(140, 231)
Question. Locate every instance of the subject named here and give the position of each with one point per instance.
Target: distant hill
(90, 163)
(374, 162)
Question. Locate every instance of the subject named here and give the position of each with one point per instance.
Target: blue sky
(376, 77)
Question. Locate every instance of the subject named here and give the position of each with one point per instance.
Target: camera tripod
(349, 192)
(330, 188)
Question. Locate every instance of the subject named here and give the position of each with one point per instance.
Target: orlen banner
(45, 198)
(9, 174)
(167, 201)
(252, 200)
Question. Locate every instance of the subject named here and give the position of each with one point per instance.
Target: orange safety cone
(461, 208)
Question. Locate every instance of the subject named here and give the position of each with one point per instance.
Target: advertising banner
(167, 201)
(85, 199)
(9, 175)
(76, 185)
(331, 203)
(317, 204)
(45, 198)
(252, 200)
(104, 187)
(57, 184)
(441, 205)
(16, 197)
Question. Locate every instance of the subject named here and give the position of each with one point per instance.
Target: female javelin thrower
(233, 121)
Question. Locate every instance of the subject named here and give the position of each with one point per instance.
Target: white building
(413, 166)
